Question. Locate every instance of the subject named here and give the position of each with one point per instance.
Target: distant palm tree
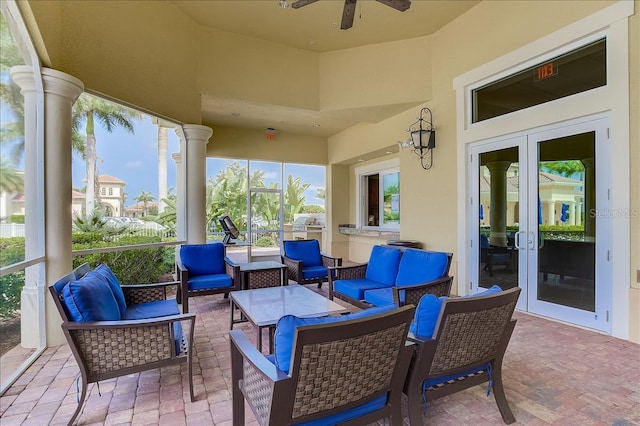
(88, 109)
(144, 198)
(11, 179)
(12, 132)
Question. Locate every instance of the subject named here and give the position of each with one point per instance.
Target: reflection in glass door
(535, 222)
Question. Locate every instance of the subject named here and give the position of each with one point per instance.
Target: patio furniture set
(325, 365)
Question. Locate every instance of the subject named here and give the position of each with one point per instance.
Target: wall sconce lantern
(423, 138)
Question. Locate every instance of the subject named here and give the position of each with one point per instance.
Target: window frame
(362, 173)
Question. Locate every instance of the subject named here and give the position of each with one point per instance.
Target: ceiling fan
(349, 10)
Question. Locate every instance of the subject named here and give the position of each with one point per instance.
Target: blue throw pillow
(108, 274)
(203, 259)
(383, 265)
(286, 327)
(420, 266)
(90, 299)
(428, 311)
(306, 251)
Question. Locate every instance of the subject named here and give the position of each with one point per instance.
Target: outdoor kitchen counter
(352, 230)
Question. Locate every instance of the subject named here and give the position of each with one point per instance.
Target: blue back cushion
(383, 265)
(90, 299)
(420, 266)
(286, 327)
(203, 259)
(306, 251)
(428, 311)
(108, 274)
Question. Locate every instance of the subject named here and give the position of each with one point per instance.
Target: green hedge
(138, 266)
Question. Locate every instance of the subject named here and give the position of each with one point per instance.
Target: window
(104, 191)
(580, 70)
(379, 192)
(110, 191)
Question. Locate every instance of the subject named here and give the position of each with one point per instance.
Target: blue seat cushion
(108, 274)
(286, 327)
(306, 251)
(339, 418)
(383, 265)
(203, 259)
(90, 299)
(428, 311)
(420, 266)
(155, 309)
(381, 296)
(356, 288)
(206, 282)
(314, 272)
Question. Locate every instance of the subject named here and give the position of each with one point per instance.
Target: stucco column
(498, 207)
(589, 198)
(60, 92)
(572, 214)
(578, 213)
(551, 213)
(31, 296)
(196, 138)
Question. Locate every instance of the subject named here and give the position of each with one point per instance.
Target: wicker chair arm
(70, 325)
(252, 356)
(141, 293)
(348, 272)
(233, 270)
(330, 260)
(294, 268)
(413, 293)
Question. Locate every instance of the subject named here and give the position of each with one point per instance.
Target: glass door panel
(265, 219)
(499, 217)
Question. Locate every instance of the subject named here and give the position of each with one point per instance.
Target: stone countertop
(352, 230)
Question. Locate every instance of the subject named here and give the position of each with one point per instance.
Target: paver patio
(554, 374)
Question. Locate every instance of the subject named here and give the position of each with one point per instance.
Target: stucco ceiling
(315, 27)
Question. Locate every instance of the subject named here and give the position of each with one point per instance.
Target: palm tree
(144, 198)
(293, 198)
(89, 109)
(12, 132)
(11, 179)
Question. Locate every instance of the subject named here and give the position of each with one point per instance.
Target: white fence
(8, 230)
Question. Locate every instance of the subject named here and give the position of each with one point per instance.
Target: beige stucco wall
(103, 45)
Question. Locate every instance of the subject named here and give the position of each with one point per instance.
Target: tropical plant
(11, 179)
(87, 110)
(293, 198)
(144, 198)
(566, 168)
(95, 223)
(312, 208)
(321, 193)
(12, 132)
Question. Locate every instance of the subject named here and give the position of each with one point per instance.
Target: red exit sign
(545, 71)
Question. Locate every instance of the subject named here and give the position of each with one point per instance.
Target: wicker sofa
(116, 330)
(393, 275)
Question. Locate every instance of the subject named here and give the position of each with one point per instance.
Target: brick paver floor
(554, 374)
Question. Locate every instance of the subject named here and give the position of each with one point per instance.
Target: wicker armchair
(335, 369)
(202, 270)
(468, 344)
(108, 349)
(306, 264)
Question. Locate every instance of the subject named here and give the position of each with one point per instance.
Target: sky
(133, 158)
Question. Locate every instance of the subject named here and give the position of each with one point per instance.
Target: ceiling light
(284, 4)
(235, 114)
(316, 125)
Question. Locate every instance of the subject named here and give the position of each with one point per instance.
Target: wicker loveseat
(393, 275)
(117, 330)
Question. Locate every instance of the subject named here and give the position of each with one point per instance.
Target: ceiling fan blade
(299, 3)
(400, 5)
(348, 13)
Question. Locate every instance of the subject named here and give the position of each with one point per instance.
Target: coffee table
(263, 307)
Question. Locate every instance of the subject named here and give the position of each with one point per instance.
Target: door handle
(531, 242)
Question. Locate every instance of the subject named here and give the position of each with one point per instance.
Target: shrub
(136, 266)
(16, 218)
(11, 250)
(265, 241)
(10, 289)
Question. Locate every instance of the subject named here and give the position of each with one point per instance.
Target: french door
(538, 220)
